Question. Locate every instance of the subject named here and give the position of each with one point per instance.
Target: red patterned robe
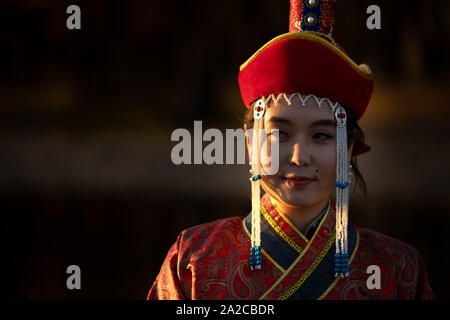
(210, 261)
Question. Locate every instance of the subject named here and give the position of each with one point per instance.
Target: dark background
(86, 118)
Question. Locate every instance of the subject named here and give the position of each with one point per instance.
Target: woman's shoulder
(380, 242)
(225, 223)
(401, 260)
(206, 232)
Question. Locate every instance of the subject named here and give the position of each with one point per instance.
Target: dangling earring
(342, 183)
(255, 177)
(350, 174)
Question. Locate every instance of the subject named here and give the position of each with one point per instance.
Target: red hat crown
(307, 60)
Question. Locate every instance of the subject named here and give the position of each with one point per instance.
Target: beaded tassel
(255, 251)
(342, 188)
(342, 181)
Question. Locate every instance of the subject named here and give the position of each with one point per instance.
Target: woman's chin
(298, 202)
(298, 198)
(295, 195)
(295, 199)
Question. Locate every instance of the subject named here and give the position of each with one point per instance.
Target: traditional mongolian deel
(210, 261)
(263, 255)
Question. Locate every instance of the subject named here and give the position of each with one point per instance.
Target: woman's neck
(300, 216)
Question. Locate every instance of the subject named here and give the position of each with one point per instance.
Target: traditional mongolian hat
(307, 63)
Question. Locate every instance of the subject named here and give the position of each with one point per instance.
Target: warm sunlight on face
(307, 148)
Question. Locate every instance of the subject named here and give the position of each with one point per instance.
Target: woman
(304, 91)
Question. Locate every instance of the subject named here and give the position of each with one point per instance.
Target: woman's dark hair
(354, 132)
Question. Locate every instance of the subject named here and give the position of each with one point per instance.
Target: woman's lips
(297, 182)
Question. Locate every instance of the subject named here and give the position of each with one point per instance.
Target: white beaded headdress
(342, 178)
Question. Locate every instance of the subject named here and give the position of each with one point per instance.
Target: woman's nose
(300, 154)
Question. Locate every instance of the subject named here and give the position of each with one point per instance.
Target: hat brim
(305, 62)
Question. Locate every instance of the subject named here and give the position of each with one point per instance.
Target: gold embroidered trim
(323, 295)
(286, 219)
(273, 261)
(298, 258)
(310, 270)
(264, 251)
(280, 231)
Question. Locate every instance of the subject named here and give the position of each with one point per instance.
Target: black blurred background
(86, 118)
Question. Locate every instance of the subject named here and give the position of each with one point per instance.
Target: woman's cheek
(330, 175)
(281, 157)
(266, 152)
(327, 167)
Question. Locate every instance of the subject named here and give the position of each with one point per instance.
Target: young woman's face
(307, 148)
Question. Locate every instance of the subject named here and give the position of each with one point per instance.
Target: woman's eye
(322, 136)
(278, 134)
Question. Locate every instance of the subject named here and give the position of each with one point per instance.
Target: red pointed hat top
(312, 15)
(307, 60)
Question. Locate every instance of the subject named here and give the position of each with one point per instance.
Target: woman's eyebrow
(279, 120)
(325, 122)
